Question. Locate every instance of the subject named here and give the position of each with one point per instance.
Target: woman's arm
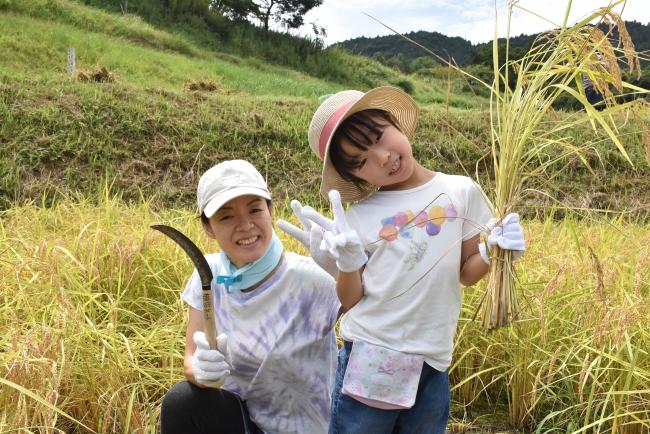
(472, 266)
(194, 324)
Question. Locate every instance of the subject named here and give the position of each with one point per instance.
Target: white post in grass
(72, 61)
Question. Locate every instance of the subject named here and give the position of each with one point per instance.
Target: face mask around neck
(235, 279)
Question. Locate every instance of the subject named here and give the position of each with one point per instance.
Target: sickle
(205, 273)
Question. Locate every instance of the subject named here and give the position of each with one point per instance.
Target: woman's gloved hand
(341, 241)
(311, 237)
(508, 235)
(210, 367)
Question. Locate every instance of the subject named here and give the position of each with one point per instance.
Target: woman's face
(243, 227)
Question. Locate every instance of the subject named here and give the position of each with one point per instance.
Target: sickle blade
(205, 273)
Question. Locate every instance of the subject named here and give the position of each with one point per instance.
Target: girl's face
(388, 163)
(243, 227)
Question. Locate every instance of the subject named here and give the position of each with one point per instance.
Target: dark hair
(361, 130)
(205, 220)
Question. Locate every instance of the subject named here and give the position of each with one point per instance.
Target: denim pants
(428, 415)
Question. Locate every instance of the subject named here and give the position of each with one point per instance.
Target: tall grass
(92, 326)
(90, 318)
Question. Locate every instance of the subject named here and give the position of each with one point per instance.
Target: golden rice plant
(91, 320)
(522, 131)
(579, 361)
(92, 326)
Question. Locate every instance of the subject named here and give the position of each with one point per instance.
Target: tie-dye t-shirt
(413, 237)
(282, 343)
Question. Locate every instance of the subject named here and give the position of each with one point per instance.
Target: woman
(275, 361)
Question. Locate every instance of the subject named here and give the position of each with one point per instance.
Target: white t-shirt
(282, 343)
(412, 299)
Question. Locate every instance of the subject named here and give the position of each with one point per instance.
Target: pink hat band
(331, 123)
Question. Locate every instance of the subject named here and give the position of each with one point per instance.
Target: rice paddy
(92, 325)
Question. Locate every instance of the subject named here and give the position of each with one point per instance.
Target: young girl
(409, 237)
(275, 312)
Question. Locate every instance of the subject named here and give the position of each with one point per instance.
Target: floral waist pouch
(382, 378)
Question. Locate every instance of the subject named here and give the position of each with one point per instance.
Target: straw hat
(340, 106)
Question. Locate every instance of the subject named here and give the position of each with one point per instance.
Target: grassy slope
(145, 130)
(149, 135)
(135, 65)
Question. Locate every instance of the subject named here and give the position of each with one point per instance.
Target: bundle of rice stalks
(100, 75)
(559, 62)
(206, 85)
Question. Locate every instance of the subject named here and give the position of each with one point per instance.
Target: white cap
(226, 181)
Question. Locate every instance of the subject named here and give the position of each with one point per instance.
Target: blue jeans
(428, 415)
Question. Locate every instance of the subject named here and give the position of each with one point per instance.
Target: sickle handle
(209, 326)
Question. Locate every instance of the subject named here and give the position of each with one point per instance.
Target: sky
(470, 19)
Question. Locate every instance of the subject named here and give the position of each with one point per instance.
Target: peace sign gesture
(310, 236)
(341, 241)
(302, 235)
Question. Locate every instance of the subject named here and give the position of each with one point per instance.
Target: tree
(234, 9)
(290, 13)
(191, 7)
(399, 62)
(424, 62)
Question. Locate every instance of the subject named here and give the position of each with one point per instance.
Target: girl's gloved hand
(508, 235)
(311, 237)
(341, 241)
(210, 367)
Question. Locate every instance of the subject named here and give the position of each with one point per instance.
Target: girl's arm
(194, 324)
(349, 288)
(472, 266)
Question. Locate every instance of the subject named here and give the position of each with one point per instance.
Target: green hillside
(67, 134)
(148, 134)
(461, 50)
(386, 47)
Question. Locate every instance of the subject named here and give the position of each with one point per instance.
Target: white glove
(210, 367)
(341, 241)
(310, 237)
(508, 235)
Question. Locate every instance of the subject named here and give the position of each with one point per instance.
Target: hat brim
(391, 99)
(220, 200)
